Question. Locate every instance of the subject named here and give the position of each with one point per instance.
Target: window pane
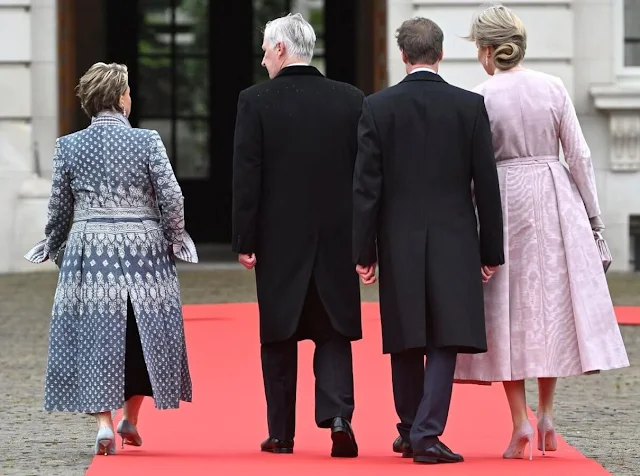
(163, 126)
(192, 161)
(192, 26)
(632, 54)
(155, 29)
(632, 32)
(187, 27)
(154, 86)
(193, 87)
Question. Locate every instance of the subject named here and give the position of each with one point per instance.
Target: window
(266, 10)
(632, 33)
(173, 71)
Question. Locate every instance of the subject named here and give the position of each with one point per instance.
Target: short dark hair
(421, 40)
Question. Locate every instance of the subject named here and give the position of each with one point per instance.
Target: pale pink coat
(548, 309)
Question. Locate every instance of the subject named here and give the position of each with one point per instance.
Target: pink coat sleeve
(578, 156)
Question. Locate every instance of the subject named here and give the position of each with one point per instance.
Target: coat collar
(423, 76)
(299, 71)
(110, 118)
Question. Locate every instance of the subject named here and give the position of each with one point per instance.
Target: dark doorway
(188, 61)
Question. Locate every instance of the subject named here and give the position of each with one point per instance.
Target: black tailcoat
(422, 143)
(295, 149)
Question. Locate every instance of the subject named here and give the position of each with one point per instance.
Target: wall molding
(622, 104)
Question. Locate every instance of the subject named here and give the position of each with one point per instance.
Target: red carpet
(220, 432)
(628, 316)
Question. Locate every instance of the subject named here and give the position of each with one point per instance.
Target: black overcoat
(422, 145)
(294, 153)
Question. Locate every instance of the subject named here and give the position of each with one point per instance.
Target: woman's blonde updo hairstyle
(499, 27)
(101, 88)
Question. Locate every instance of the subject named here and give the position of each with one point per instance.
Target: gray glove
(596, 224)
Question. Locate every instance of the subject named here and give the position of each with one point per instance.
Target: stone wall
(28, 121)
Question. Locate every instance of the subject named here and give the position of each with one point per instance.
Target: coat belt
(518, 161)
(115, 214)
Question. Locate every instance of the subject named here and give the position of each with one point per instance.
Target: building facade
(188, 60)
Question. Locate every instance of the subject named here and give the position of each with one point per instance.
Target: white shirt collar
(297, 64)
(429, 70)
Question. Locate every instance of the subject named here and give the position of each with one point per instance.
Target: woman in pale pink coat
(548, 309)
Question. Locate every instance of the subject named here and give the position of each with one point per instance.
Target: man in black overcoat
(295, 149)
(423, 144)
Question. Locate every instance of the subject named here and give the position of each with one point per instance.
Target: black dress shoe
(438, 453)
(274, 445)
(344, 441)
(400, 445)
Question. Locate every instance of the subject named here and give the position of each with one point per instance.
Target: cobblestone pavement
(598, 414)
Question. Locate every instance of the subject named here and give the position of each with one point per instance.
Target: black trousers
(423, 395)
(332, 367)
(136, 376)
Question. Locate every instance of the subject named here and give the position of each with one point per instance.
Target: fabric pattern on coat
(548, 309)
(116, 209)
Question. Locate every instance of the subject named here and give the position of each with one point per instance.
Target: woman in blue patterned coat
(115, 225)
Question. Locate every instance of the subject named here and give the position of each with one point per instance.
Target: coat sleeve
(367, 189)
(578, 156)
(168, 193)
(60, 211)
(486, 189)
(247, 177)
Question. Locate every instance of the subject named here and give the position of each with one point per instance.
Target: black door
(188, 60)
(187, 64)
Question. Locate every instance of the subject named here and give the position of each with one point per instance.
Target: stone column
(397, 12)
(23, 193)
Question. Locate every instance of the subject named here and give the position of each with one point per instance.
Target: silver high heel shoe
(105, 442)
(129, 434)
(547, 440)
(522, 437)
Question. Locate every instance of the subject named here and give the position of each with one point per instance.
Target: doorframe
(66, 65)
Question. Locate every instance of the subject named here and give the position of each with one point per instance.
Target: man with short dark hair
(423, 144)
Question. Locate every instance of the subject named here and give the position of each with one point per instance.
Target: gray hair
(101, 87)
(295, 32)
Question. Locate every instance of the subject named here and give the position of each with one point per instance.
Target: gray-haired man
(295, 148)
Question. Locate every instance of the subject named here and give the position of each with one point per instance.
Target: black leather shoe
(274, 445)
(438, 453)
(344, 441)
(403, 447)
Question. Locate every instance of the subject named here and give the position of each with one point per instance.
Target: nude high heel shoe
(522, 437)
(105, 442)
(129, 434)
(547, 440)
